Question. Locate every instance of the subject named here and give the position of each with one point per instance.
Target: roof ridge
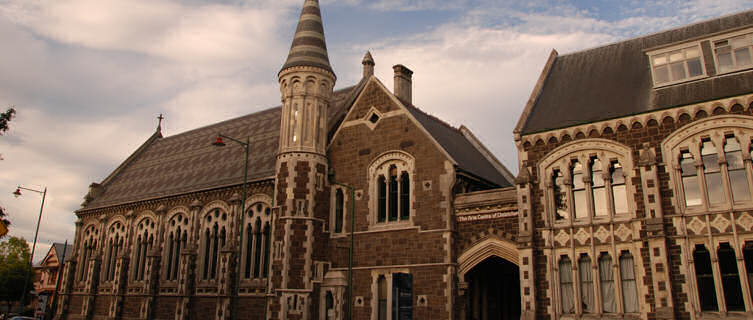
(657, 33)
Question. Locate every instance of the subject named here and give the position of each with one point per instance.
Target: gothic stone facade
(633, 198)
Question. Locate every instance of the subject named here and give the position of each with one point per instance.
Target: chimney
(403, 83)
(368, 65)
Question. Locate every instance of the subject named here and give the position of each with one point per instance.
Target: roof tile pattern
(615, 80)
(188, 162)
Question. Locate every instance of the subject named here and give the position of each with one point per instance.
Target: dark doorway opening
(493, 290)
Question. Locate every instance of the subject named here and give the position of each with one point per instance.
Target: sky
(89, 77)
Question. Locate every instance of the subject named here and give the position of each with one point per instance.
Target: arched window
(586, 284)
(390, 188)
(144, 240)
(579, 190)
(598, 189)
(627, 279)
(619, 190)
(257, 241)
(404, 196)
(738, 179)
(339, 204)
(177, 235)
(733, 295)
(606, 277)
(566, 285)
(712, 172)
(214, 226)
(88, 249)
(590, 180)
(705, 278)
(115, 239)
(748, 255)
(560, 196)
(689, 179)
(382, 211)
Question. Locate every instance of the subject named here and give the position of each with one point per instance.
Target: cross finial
(159, 125)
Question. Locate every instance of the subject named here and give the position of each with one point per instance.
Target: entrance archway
(490, 276)
(493, 290)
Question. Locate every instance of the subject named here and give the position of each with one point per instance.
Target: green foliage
(6, 117)
(14, 264)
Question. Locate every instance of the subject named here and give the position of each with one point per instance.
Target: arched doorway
(493, 290)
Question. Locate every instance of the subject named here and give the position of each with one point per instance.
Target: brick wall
(634, 137)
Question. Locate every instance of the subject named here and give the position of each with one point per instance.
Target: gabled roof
(60, 250)
(614, 81)
(469, 158)
(187, 162)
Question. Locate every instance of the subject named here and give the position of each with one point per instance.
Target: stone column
(525, 244)
(653, 224)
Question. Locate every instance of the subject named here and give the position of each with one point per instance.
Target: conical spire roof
(309, 47)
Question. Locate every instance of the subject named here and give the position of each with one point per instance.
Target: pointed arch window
(115, 239)
(705, 279)
(627, 279)
(560, 196)
(712, 172)
(382, 202)
(738, 178)
(391, 189)
(87, 250)
(598, 188)
(733, 295)
(579, 190)
(214, 226)
(585, 270)
(177, 235)
(606, 278)
(257, 241)
(566, 285)
(144, 241)
(689, 174)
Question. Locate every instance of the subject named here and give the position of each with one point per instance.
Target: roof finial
(309, 47)
(159, 125)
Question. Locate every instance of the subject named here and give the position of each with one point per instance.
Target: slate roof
(309, 47)
(468, 157)
(187, 162)
(615, 80)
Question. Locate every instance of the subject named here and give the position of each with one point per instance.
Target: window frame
(117, 232)
(689, 139)
(666, 51)
(261, 205)
(206, 255)
(146, 224)
(401, 162)
(389, 277)
(560, 159)
(333, 211)
(728, 36)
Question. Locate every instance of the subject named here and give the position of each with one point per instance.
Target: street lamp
(17, 194)
(332, 180)
(234, 299)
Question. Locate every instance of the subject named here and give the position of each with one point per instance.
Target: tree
(14, 265)
(6, 117)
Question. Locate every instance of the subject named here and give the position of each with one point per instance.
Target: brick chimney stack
(403, 83)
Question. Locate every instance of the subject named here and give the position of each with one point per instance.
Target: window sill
(727, 315)
(391, 225)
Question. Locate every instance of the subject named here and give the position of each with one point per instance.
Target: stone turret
(306, 81)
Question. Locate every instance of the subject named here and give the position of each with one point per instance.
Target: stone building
(636, 171)
(630, 202)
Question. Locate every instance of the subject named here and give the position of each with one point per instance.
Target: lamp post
(352, 190)
(220, 143)
(17, 194)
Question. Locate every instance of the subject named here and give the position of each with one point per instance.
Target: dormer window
(734, 53)
(677, 65)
